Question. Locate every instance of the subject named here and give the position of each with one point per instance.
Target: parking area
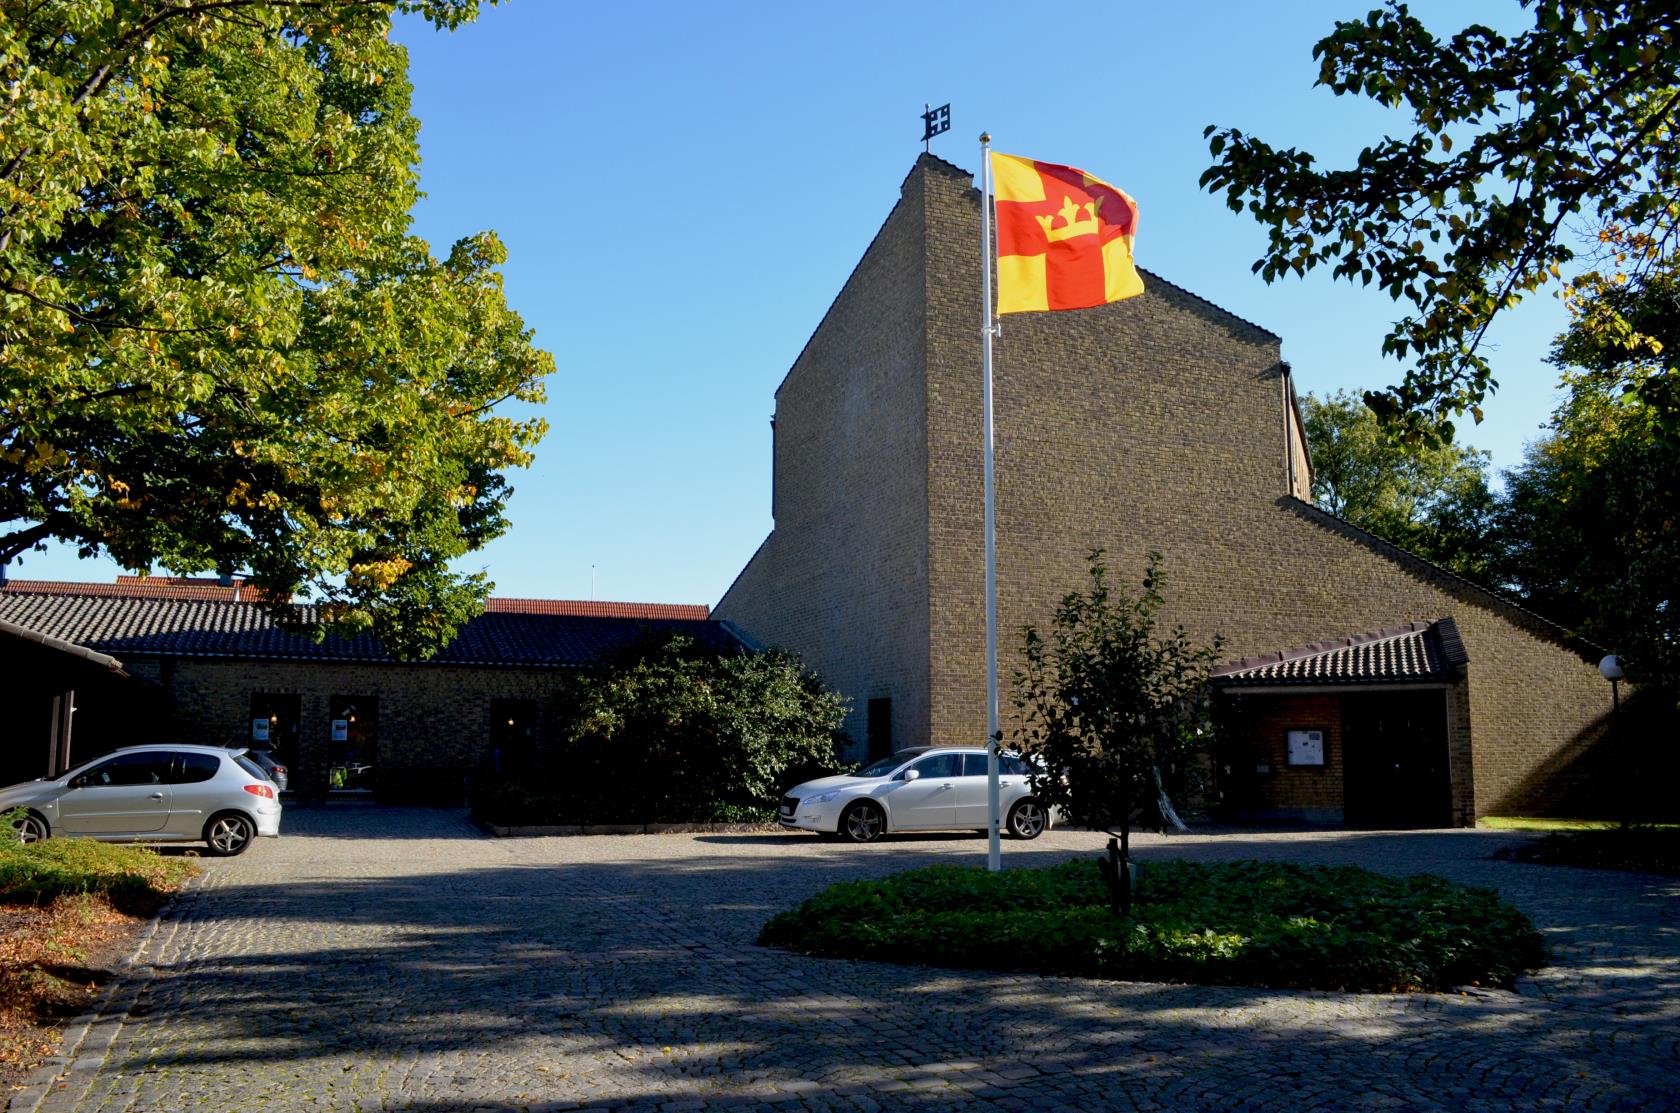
(398, 959)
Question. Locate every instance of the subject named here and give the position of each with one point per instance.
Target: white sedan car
(929, 788)
(181, 793)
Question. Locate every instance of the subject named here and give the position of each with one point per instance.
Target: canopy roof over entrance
(1418, 652)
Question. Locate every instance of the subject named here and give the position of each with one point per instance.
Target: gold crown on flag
(1071, 225)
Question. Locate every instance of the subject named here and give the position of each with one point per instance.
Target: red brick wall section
(1256, 733)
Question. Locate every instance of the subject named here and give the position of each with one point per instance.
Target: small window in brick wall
(352, 743)
(880, 728)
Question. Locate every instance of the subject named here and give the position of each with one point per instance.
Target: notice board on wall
(1306, 747)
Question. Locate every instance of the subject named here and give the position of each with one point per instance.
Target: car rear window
(250, 767)
(192, 768)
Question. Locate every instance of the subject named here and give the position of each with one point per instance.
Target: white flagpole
(994, 851)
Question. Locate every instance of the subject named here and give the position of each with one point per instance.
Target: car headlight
(821, 798)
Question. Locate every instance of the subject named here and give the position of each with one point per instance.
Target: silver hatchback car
(180, 793)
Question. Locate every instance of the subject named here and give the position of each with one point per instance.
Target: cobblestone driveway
(396, 959)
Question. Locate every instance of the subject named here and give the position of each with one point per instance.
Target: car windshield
(882, 766)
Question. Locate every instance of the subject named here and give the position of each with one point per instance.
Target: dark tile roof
(23, 633)
(1418, 652)
(128, 627)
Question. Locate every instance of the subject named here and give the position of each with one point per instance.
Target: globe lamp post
(1610, 668)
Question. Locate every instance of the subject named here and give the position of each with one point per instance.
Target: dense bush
(672, 731)
(1239, 923)
(132, 877)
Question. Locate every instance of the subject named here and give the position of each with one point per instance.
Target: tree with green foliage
(673, 730)
(1115, 713)
(220, 346)
(1591, 528)
(1430, 498)
(1527, 157)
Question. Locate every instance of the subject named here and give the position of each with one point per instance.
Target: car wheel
(862, 822)
(31, 828)
(1027, 819)
(228, 834)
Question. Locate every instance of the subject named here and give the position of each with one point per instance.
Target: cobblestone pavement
(397, 959)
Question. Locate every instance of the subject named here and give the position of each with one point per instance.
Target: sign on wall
(259, 730)
(341, 730)
(1306, 747)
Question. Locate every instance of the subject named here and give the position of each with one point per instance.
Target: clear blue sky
(683, 189)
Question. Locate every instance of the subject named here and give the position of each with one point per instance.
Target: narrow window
(880, 728)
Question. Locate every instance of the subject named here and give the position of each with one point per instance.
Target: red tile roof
(584, 608)
(208, 589)
(205, 589)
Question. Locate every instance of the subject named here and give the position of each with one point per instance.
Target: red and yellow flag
(1064, 238)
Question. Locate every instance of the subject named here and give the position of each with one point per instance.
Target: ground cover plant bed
(1645, 849)
(1238, 923)
(70, 910)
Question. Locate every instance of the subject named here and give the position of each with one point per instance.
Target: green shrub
(134, 878)
(1240, 923)
(672, 732)
(1646, 849)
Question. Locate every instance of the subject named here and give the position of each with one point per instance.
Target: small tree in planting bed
(1115, 712)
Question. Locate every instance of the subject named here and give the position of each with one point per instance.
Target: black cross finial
(935, 121)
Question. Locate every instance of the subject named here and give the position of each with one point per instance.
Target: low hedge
(1644, 849)
(1239, 923)
(133, 878)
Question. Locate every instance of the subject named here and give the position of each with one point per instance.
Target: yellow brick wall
(1155, 423)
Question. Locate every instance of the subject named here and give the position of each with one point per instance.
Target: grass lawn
(69, 911)
(1238, 923)
(1541, 823)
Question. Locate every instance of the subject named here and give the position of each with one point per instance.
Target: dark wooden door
(1394, 759)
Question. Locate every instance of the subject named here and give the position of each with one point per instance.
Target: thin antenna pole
(592, 583)
(994, 849)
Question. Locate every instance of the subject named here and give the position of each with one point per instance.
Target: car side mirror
(911, 774)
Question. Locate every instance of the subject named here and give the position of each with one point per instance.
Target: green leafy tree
(1116, 712)
(220, 347)
(671, 730)
(1431, 498)
(1547, 157)
(1591, 526)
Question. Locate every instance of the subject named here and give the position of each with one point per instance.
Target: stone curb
(516, 832)
(49, 1087)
